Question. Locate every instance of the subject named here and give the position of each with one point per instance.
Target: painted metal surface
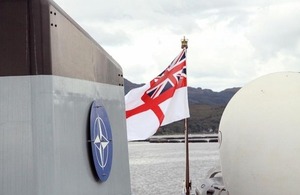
(51, 71)
(39, 38)
(75, 54)
(44, 137)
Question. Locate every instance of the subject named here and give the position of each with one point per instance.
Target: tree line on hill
(206, 108)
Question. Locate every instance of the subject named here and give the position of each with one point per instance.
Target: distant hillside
(209, 97)
(198, 95)
(206, 108)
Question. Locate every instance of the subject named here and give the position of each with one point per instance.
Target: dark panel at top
(24, 37)
(37, 37)
(14, 38)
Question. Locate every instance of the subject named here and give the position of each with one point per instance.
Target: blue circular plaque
(101, 140)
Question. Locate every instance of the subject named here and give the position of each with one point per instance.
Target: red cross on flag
(160, 102)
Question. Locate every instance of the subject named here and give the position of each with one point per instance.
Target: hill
(206, 109)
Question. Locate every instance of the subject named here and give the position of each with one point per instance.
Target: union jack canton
(163, 87)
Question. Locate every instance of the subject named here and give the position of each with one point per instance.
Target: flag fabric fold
(160, 102)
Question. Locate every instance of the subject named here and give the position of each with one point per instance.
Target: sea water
(159, 168)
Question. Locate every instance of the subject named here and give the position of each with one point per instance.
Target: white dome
(260, 149)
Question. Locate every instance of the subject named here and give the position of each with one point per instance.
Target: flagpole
(188, 184)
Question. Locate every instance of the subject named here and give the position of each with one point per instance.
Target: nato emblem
(101, 140)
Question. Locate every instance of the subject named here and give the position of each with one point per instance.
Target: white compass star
(101, 142)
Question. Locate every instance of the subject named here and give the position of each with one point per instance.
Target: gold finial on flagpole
(184, 43)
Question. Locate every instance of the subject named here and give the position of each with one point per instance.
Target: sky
(231, 42)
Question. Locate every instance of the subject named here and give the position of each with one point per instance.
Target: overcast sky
(231, 42)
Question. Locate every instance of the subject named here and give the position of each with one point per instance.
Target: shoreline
(193, 138)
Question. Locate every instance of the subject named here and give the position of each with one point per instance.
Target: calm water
(159, 168)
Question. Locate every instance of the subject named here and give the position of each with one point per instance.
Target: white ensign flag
(161, 101)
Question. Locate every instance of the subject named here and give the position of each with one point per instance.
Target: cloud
(274, 30)
(231, 42)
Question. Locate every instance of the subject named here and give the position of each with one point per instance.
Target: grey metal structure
(50, 72)
(213, 183)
